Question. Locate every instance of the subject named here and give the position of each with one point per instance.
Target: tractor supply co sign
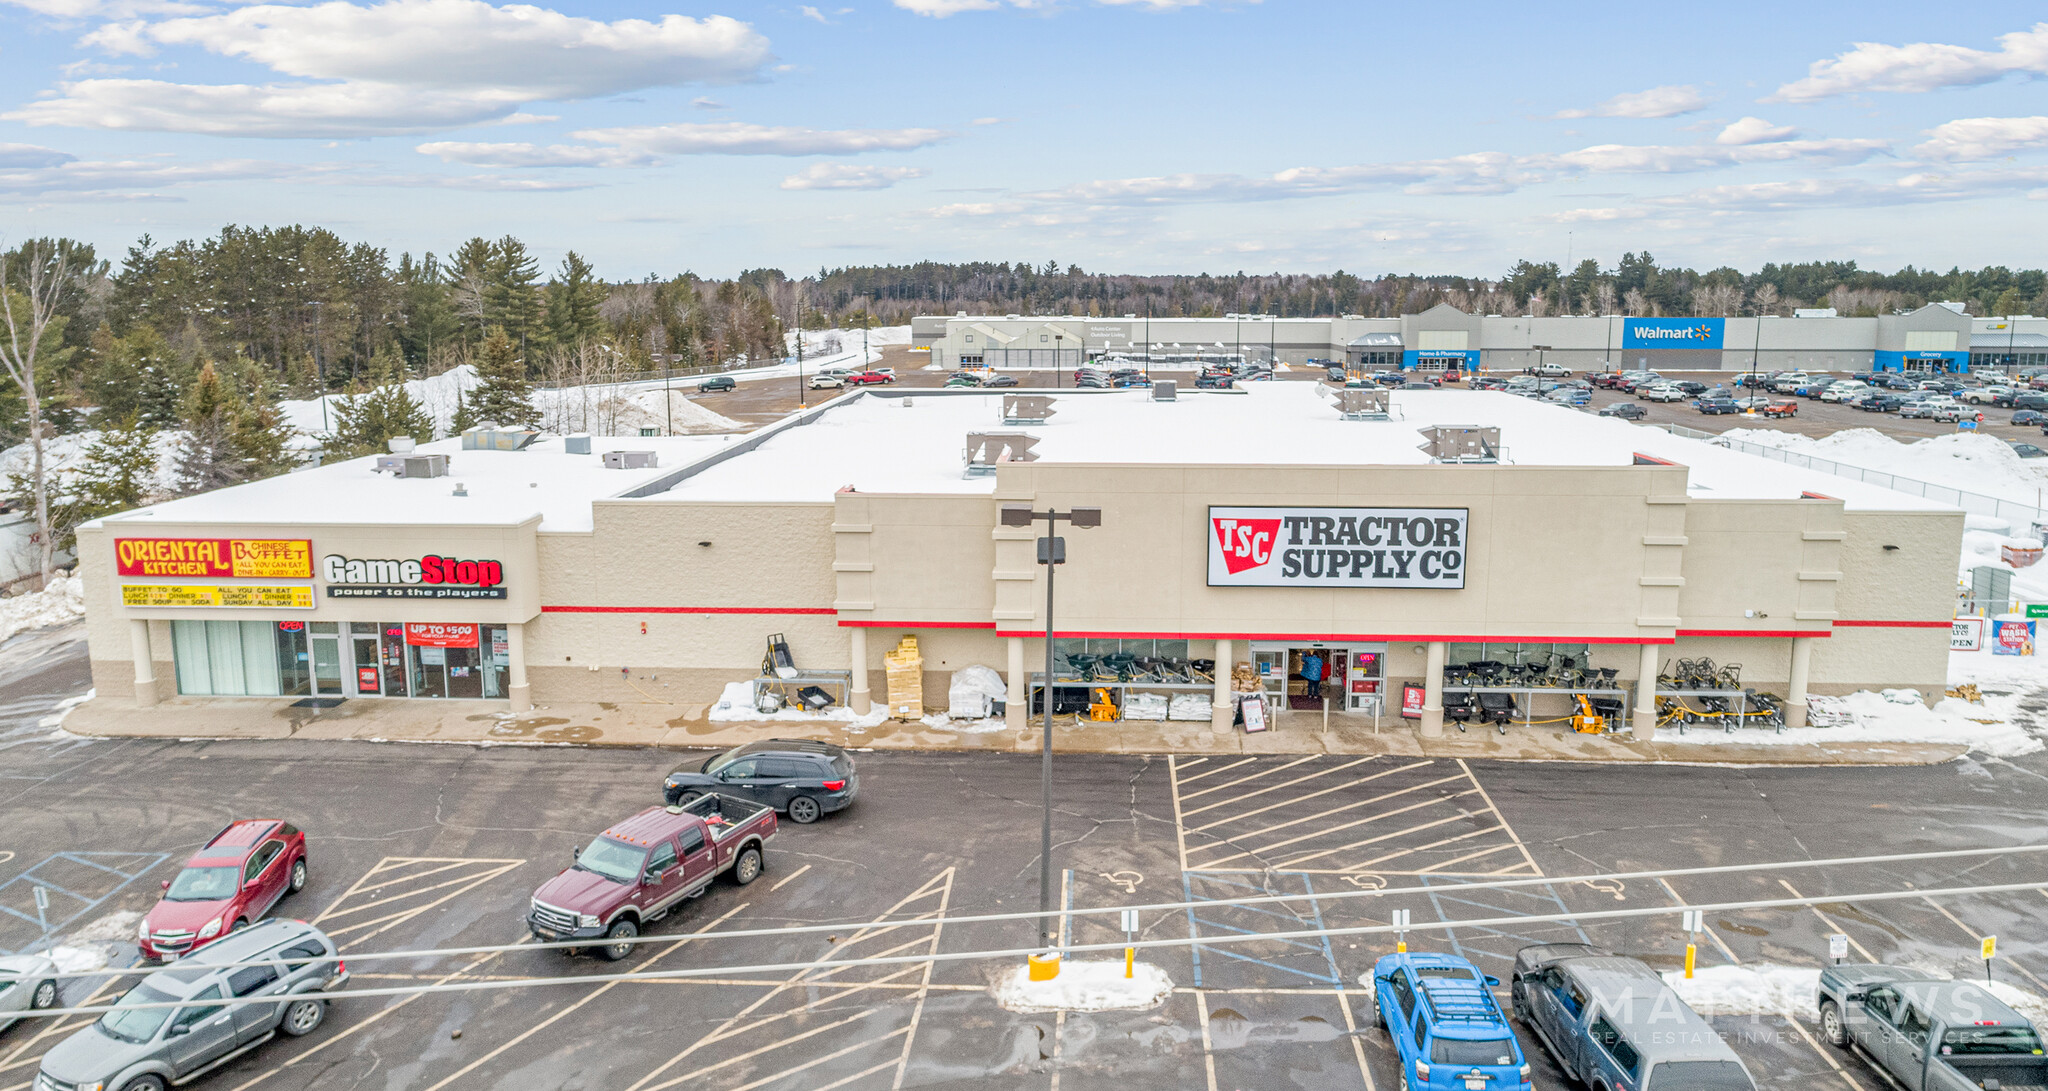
(1337, 547)
(213, 558)
(422, 578)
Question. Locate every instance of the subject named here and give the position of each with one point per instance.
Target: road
(423, 846)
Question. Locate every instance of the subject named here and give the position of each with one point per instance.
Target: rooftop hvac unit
(1027, 408)
(400, 445)
(1357, 403)
(986, 450)
(1165, 390)
(418, 465)
(576, 445)
(490, 437)
(1461, 443)
(630, 460)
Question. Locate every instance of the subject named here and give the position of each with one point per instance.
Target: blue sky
(1122, 135)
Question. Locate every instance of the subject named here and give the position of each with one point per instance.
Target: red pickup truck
(633, 874)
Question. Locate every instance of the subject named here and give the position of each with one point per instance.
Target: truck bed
(2012, 1073)
(725, 814)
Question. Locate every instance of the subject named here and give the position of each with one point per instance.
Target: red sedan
(226, 886)
(867, 378)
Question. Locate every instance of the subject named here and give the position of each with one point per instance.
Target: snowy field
(620, 409)
(1964, 460)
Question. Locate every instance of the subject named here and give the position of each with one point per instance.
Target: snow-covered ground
(617, 409)
(93, 946)
(62, 601)
(1996, 727)
(1766, 989)
(64, 459)
(1084, 986)
(735, 704)
(1965, 460)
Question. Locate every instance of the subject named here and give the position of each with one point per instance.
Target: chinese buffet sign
(215, 558)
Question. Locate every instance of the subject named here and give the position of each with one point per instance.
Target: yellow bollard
(1130, 957)
(1044, 967)
(1690, 952)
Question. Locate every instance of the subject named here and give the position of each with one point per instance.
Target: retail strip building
(1238, 526)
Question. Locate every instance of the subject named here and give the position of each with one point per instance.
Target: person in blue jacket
(1312, 670)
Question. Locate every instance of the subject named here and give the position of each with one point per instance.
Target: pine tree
(573, 301)
(119, 474)
(365, 422)
(502, 394)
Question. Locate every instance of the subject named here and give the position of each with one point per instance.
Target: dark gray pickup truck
(1929, 1034)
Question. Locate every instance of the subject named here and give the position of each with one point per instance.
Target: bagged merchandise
(1244, 678)
(973, 693)
(1191, 707)
(1145, 706)
(906, 679)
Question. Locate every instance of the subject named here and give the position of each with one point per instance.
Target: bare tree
(1539, 305)
(1767, 300)
(44, 282)
(1603, 297)
(1635, 303)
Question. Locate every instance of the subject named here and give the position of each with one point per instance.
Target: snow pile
(1762, 989)
(1084, 986)
(440, 395)
(966, 725)
(62, 601)
(1891, 716)
(94, 946)
(64, 458)
(1969, 461)
(55, 719)
(2031, 1005)
(612, 409)
(736, 705)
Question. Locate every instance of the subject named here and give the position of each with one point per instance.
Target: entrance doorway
(1352, 676)
(325, 641)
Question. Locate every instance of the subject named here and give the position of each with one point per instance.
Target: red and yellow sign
(440, 635)
(202, 558)
(217, 596)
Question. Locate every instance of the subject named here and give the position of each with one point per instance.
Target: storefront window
(1073, 657)
(228, 658)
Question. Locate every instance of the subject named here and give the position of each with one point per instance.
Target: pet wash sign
(1337, 547)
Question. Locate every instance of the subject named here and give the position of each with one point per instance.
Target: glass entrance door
(1271, 663)
(326, 646)
(368, 671)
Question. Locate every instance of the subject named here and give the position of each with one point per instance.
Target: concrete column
(1644, 722)
(1795, 690)
(1017, 690)
(515, 654)
(1433, 690)
(1222, 712)
(145, 663)
(858, 698)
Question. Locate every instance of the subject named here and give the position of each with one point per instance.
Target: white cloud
(1755, 130)
(705, 102)
(1918, 66)
(850, 176)
(533, 155)
(742, 138)
(396, 66)
(129, 177)
(813, 14)
(106, 9)
(986, 121)
(940, 9)
(29, 155)
(1668, 101)
(1972, 138)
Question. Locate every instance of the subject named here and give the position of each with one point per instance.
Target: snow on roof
(506, 488)
(892, 444)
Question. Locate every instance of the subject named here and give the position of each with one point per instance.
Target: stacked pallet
(906, 679)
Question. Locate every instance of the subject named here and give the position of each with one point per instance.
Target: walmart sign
(1671, 333)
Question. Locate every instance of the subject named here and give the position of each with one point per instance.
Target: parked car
(717, 383)
(636, 872)
(1692, 388)
(1929, 1034)
(1447, 1029)
(1785, 382)
(138, 1048)
(1334, 373)
(1548, 370)
(1840, 389)
(1922, 407)
(27, 983)
(228, 885)
(1987, 395)
(1875, 402)
(1416, 386)
(826, 382)
(1213, 382)
(1664, 392)
(1781, 408)
(1000, 380)
(797, 777)
(1716, 406)
(889, 371)
(1953, 411)
(2028, 450)
(1624, 410)
(2029, 416)
(1093, 382)
(1605, 380)
(2030, 400)
(1611, 1022)
(874, 377)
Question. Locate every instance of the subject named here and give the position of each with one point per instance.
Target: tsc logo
(1247, 543)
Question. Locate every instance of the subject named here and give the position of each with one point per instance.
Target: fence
(2020, 515)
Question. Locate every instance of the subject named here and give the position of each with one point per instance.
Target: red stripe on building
(854, 623)
(1337, 638)
(1755, 632)
(687, 610)
(1892, 624)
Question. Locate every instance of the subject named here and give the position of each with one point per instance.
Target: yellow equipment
(1104, 709)
(1587, 721)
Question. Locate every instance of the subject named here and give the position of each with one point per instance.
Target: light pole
(1052, 552)
(1057, 340)
(1749, 389)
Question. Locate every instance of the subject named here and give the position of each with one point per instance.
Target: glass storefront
(335, 659)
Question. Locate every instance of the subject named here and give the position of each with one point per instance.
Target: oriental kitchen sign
(1337, 547)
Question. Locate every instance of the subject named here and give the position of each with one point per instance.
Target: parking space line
(414, 877)
(1220, 769)
(1255, 775)
(1381, 798)
(1357, 1042)
(1459, 817)
(334, 914)
(1468, 856)
(1298, 800)
(787, 878)
(57, 1026)
(1860, 949)
(794, 1069)
(1979, 937)
(1208, 1048)
(1180, 827)
(587, 998)
(1501, 818)
(489, 868)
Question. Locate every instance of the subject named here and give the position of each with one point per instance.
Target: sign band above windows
(1337, 547)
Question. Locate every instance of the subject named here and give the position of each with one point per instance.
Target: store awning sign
(428, 577)
(1337, 547)
(1672, 333)
(211, 558)
(213, 596)
(440, 635)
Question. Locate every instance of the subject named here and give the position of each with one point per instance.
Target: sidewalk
(687, 727)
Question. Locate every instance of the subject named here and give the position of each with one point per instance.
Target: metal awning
(1998, 342)
(1377, 341)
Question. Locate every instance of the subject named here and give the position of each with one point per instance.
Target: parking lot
(427, 846)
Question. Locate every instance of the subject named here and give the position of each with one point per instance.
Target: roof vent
(630, 460)
(987, 450)
(400, 445)
(1027, 408)
(413, 465)
(1461, 443)
(1164, 390)
(491, 437)
(1360, 403)
(576, 445)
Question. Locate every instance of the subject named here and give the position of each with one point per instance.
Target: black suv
(799, 777)
(716, 382)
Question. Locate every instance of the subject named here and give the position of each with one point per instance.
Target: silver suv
(142, 1047)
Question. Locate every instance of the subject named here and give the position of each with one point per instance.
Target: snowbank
(1762, 989)
(55, 718)
(620, 409)
(62, 601)
(735, 704)
(95, 945)
(64, 458)
(1900, 717)
(1084, 986)
(1966, 460)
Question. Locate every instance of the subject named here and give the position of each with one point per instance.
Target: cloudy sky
(1123, 135)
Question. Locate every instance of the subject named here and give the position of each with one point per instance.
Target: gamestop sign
(1337, 547)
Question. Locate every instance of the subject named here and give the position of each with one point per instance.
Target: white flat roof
(892, 444)
(506, 488)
